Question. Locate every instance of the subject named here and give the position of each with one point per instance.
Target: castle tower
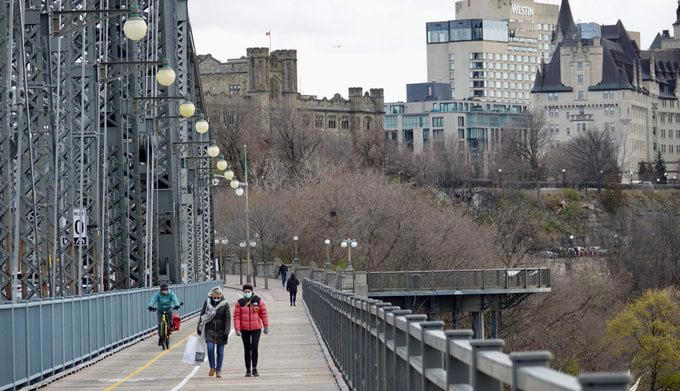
(288, 65)
(258, 70)
(676, 25)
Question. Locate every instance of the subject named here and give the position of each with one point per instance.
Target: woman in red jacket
(250, 317)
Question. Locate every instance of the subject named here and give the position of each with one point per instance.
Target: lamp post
(239, 189)
(295, 257)
(631, 179)
(601, 180)
(223, 270)
(327, 265)
(349, 244)
(564, 178)
(500, 178)
(240, 263)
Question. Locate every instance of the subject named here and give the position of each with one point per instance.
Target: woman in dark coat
(291, 287)
(214, 325)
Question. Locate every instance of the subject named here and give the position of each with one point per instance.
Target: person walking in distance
(283, 271)
(292, 287)
(250, 317)
(214, 325)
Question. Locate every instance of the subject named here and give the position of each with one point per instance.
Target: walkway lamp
(564, 178)
(166, 75)
(221, 164)
(349, 244)
(234, 184)
(213, 150)
(229, 175)
(202, 126)
(327, 265)
(295, 241)
(187, 109)
(135, 27)
(239, 191)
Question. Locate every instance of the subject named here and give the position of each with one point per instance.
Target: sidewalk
(290, 357)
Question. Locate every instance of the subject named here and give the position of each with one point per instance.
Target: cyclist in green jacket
(164, 302)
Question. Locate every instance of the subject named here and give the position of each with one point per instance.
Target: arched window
(368, 123)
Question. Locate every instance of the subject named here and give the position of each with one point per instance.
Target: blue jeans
(211, 356)
(283, 279)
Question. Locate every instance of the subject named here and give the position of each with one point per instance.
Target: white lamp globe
(202, 126)
(135, 27)
(343, 244)
(166, 75)
(213, 150)
(327, 241)
(295, 238)
(239, 191)
(354, 244)
(229, 175)
(187, 109)
(234, 184)
(221, 164)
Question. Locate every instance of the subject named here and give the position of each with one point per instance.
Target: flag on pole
(268, 33)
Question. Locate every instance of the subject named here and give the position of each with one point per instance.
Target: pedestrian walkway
(291, 357)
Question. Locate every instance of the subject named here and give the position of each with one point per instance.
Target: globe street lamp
(564, 178)
(327, 265)
(349, 244)
(187, 109)
(295, 241)
(500, 178)
(202, 126)
(221, 165)
(135, 27)
(166, 75)
(229, 175)
(213, 150)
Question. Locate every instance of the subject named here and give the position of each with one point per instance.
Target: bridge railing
(382, 347)
(43, 338)
(522, 278)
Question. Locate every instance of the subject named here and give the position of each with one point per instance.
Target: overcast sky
(383, 41)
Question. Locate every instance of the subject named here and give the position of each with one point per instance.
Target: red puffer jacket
(250, 315)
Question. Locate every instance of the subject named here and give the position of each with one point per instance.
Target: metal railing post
(384, 335)
(392, 357)
(479, 379)
(375, 345)
(431, 358)
(525, 360)
(457, 372)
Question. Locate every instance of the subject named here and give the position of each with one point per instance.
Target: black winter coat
(217, 330)
(292, 285)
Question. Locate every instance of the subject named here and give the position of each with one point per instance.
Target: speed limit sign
(80, 222)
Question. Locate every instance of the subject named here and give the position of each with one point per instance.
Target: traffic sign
(80, 223)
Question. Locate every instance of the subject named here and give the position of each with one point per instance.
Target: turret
(288, 64)
(258, 69)
(676, 25)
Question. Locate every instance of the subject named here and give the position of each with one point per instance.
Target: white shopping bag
(194, 352)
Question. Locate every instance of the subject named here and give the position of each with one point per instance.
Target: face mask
(164, 292)
(248, 295)
(214, 301)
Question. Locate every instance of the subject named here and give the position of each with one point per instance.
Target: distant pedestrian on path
(283, 271)
(214, 325)
(292, 287)
(250, 317)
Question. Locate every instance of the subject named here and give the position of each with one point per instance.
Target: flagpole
(270, 41)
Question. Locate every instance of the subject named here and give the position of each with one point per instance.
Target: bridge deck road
(290, 357)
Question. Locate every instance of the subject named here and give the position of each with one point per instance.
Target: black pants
(293, 295)
(251, 341)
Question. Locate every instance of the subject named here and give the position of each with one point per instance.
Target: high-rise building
(492, 49)
(604, 81)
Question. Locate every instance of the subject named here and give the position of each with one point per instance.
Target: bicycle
(164, 329)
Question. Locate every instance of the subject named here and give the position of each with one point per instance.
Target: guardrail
(40, 339)
(432, 280)
(382, 347)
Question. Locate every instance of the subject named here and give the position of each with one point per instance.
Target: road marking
(148, 364)
(186, 379)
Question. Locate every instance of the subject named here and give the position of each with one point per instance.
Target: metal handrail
(381, 347)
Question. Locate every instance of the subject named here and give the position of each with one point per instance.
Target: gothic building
(603, 80)
(270, 79)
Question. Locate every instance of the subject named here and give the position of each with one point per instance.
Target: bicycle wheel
(163, 332)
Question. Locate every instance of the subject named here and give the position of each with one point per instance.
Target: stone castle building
(604, 81)
(270, 79)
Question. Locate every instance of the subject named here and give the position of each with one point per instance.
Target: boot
(255, 374)
(211, 372)
(248, 373)
(218, 374)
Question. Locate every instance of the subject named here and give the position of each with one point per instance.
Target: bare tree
(525, 143)
(292, 138)
(233, 123)
(591, 156)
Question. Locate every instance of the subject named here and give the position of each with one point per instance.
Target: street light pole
(564, 178)
(500, 178)
(349, 243)
(296, 260)
(327, 265)
(248, 262)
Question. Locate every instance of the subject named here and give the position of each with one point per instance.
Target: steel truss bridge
(102, 183)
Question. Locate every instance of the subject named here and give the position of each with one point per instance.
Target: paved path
(290, 357)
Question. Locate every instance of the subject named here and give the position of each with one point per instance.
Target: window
(438, 122)
(234, 89)
(581, 127)
(608, 94)
(437, 134)
(579, 65)
(461, 121)
(580, 95)
(426, 136)
(663, 133)
(331, 123)
(318, 121)
(579, 79)
(397, 109)
(609, 110)
(437, 32)
(415, 121)
(609, 126)
(461, 133)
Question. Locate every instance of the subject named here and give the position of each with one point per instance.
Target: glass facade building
(467, 30)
